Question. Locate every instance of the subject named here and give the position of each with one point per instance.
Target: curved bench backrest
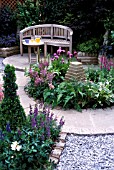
(51, 31)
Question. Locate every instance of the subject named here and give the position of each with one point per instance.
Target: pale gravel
(87, 152)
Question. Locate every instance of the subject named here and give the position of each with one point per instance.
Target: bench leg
(51, 49)
(45, 50)
(29, 54)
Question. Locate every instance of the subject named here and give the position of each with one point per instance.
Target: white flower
(15, 146)
(18, 147)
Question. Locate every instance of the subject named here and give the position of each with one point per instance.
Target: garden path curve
(88, 121)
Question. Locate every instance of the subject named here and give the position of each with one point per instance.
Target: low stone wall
(85, 58)
(5, 52)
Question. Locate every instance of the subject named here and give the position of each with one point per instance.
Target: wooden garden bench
(51, 34)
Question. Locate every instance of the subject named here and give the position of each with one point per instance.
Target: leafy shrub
(90, 46)
(11, 109)
(27, 13)
(29, 147)
(8, 41)
(7, 21)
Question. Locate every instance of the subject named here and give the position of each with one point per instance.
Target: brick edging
(58, 148)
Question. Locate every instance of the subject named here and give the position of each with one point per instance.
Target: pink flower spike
(51, 86)
(52, 59)
(54, 54)
(75, 52)
(68, 52)
(70, 55)
(56, 57)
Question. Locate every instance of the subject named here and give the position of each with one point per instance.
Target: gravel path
(82, 152)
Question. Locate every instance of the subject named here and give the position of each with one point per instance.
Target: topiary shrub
(11, 109)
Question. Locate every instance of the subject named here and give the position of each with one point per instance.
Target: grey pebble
(85, 152)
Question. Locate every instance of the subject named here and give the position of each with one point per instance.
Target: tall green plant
(11, 109)
(28, 13)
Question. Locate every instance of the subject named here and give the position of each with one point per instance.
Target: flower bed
(25, 142)
(97, 90)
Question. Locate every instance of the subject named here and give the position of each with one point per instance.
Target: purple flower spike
(8, 127)
(46, 63)
(30, 112)
(19, 132)
(1, 135)
(48, 132)
(33, 122)
(35, 111)
(51, 116)
(42, 137)
(61, 123)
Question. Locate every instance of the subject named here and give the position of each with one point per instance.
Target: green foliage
(28, 13)
(7, 21)
(90, 46)
(29, 147)
(85, 17)
(96, 91)
(11, 109)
